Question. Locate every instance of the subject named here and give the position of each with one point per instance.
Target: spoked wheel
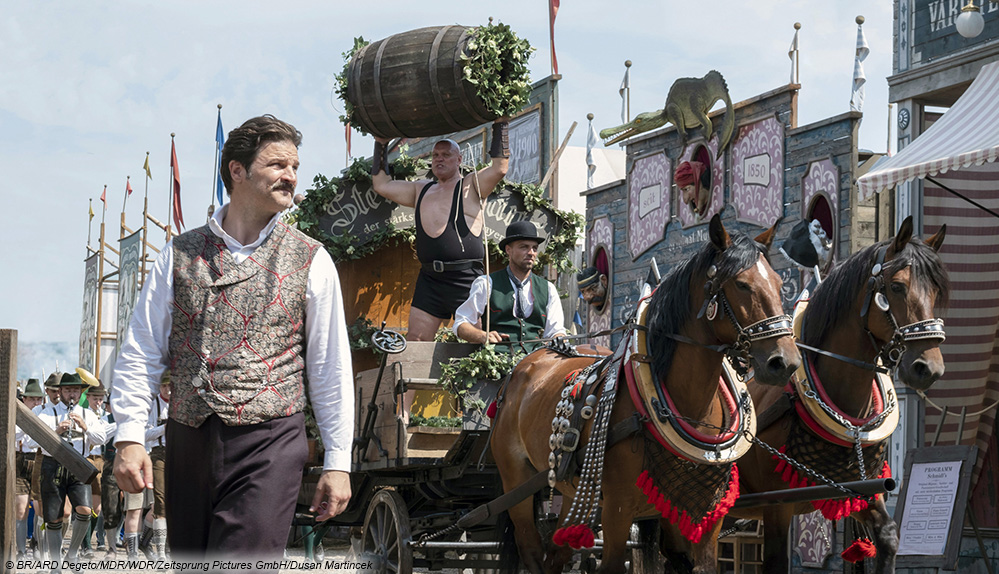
(385, 538)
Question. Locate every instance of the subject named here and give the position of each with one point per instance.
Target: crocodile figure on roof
(687, 106)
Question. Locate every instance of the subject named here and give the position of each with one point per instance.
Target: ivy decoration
(460, 374)
(496, 63)
(341, 85)
(435, 422)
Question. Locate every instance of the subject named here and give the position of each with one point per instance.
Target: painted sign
(601, 236)
(758, 172)
(473, 149)
(357, 210)
(130, 249)
(929, 505)
(651, 176)
(88, 325)
(934, 31)
(525, 148)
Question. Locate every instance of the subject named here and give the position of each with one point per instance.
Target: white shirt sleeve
(143, 356)
(328, 362)
(471, 310)
(96, 430)
(555, 322)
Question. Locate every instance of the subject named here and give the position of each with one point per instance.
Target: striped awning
(967, 135)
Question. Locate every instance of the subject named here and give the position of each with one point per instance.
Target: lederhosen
(501, 308)
(57, 483)
(449, 262)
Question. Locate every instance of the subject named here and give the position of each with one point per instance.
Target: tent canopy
(967, 135)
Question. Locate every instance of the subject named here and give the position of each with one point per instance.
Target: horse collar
(818, 412)
(670, 428)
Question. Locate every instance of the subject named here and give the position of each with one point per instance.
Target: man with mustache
(243, 311)
(592, 286)
(523, 306)
(449, 225)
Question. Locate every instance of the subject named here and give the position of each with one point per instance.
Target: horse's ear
(937, 239)
(716, 231)
(767, 237)
(902, 237)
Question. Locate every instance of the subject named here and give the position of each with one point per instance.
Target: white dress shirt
(82, 441)
(471, 310)
(143, 356)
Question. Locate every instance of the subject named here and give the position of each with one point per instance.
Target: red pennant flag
(128, 188)
(552, 11)
(346, 136)
(178, 215)
(104, 197)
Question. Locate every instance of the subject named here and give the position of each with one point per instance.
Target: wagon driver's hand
(332, 494)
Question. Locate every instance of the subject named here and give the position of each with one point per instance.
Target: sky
(87, 88)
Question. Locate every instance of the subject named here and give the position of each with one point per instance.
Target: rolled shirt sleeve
(471, 310)
(555, 321)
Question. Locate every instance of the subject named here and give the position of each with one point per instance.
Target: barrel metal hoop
(378, 88)
(434, 84)
(355, 84)
(459, 80)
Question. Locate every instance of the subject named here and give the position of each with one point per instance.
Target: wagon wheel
(385, 538)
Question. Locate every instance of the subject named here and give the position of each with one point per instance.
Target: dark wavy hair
(244, 142)
(670, 307)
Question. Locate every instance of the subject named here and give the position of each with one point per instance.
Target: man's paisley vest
(502, 319)
(238, 337)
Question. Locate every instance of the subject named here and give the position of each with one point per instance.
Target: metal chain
(811, 473)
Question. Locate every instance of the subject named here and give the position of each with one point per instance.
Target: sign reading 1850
(358, 211)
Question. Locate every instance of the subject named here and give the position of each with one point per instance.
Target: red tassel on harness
(860, 549)
(491, 411)
(576, 536)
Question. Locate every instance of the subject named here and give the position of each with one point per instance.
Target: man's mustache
(283, 186)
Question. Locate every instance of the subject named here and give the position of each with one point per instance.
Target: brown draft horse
(690, 371)
(913, 281)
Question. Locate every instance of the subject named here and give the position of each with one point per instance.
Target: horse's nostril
(777, 364)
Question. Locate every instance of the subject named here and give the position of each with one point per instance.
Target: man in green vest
(523, 307)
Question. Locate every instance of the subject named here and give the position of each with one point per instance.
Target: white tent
(956, 158)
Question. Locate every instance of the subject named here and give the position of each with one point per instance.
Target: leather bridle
(893, 350)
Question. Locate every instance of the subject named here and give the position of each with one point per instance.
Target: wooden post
(8, 398)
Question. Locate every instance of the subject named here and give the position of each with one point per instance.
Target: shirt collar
(215, 224)
(515, 281)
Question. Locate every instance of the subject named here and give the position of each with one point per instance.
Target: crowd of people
(104, 522)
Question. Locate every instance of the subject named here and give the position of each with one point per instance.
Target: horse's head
(742, 304)
(906, 283)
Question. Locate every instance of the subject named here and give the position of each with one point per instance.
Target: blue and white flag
(857, 100)
(219, 142)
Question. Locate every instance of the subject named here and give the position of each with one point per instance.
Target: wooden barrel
(413, 85)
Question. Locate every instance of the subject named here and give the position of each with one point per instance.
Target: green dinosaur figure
(687, 106)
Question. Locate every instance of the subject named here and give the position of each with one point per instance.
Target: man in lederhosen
(81, 428)
(24, 459)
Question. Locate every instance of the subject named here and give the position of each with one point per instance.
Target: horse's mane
(834, 297)
(669, 307)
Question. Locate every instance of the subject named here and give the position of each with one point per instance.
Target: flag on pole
(791, 51)
(591, 166)
(623, 90)
(219, 142)
(552, 11)
(128, 188)
(91, 209)
(145, 166)
(857, 100)
(178, 216)
(104, 197)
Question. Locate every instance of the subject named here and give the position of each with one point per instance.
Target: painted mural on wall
(813, 539)
(758, 172)
(601, 236)
(686, 215)
(648, 202)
